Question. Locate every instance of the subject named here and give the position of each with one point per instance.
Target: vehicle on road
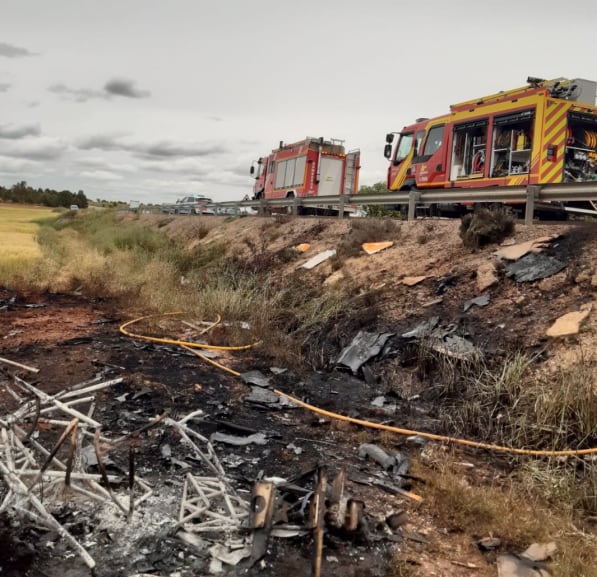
(193, 204)
(542, 133)
(313, 167)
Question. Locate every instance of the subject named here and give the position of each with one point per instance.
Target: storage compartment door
(330, 176)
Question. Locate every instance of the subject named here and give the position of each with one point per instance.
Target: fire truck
(544, 132)
(307, 168)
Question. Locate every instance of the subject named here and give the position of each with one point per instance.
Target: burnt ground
(73, 339)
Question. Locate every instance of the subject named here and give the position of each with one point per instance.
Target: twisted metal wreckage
(36, 479)
(40, 473)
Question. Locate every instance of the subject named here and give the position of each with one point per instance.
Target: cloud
(11, 132)
(12, 165)
(42, 148)
(116, 87)
(100, 163)
(241, 170)
(10, 51)
(229, 177)
(163, 149)
(125, 88)
(102, 142)
(186, 166)
(101, 175)
(4, 87)
(76, 94)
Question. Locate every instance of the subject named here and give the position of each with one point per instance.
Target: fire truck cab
(307, 168)
(545, 132)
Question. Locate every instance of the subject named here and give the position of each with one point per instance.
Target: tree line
(23, 194)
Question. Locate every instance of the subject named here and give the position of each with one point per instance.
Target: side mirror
(252, 170)
(387, 151)
(390, 138)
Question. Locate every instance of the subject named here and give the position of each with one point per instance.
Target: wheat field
(18, 229)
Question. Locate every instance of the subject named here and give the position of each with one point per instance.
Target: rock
(511, 566)
(568, 324)
(540, 551)
(486, 276)
(594, 280)
(396, 520)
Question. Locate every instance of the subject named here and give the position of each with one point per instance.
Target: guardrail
(530, 195)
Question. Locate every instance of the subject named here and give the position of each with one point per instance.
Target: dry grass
(147, 271)
(511, 404)
(518, 518)
(361, 231)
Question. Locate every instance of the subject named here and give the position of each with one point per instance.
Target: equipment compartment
(512, 144)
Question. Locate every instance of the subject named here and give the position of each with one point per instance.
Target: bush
(486, 226)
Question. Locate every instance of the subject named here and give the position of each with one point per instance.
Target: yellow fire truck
(544, 132)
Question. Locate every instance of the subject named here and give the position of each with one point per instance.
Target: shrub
(486, 226)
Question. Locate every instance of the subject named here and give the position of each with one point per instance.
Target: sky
(153, 100)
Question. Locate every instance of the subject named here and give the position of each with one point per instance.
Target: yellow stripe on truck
(401, 175)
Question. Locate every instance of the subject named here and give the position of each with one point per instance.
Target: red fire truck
(310, 167)
(545, 132)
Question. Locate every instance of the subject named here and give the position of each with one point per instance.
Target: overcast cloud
(14, 132)
(10, 51)
(115, 87)
(126, 88)
(153, 100)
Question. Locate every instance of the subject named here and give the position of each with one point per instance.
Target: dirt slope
(518, 312)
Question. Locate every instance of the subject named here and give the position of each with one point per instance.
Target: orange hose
(339, 417)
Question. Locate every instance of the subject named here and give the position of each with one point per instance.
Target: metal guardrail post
(529, 211)
(295, 205)
(262, 207)
(341, 207)
(413, 198)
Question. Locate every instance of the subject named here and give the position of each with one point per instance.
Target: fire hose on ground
(192, 346)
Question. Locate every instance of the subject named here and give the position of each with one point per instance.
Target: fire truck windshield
(404, 145)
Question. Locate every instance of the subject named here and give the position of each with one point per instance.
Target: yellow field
(17, 231)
